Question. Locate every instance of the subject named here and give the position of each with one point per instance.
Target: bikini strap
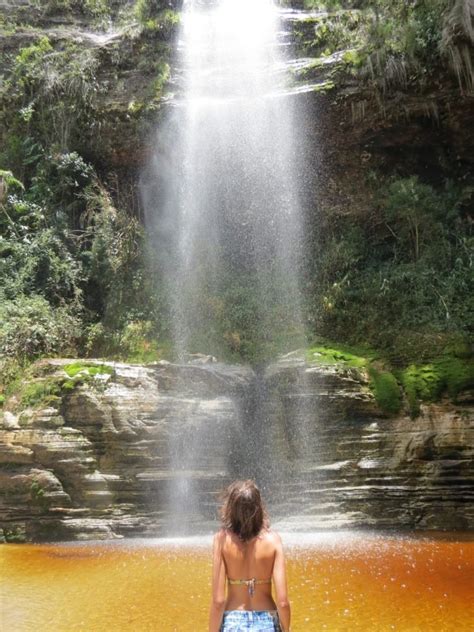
(250, 583)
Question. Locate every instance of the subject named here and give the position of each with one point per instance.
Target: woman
(247, 556)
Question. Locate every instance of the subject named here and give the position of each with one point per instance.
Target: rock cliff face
(123, 453)
(361, 468)
(142, 451)
(421, 133)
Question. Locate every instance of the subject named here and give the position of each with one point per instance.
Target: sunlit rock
(325, 454)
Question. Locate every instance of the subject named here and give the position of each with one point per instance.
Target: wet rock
(9, 421)
(199, 358)
(118, 456)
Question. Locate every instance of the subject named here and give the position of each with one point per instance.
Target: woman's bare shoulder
(271, 536)
(220, 536)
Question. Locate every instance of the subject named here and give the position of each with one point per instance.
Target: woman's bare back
(247, 561)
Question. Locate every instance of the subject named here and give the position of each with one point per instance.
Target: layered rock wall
(144, 451)
(360, 468)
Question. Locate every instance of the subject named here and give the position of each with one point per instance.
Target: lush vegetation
(392, 43)
(75, 275)
(399, 276)
(402, 281)
(41, 386)
(447, 375)
(157, 15)
(72, 272)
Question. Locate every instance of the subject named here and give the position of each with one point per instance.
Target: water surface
(338, 582)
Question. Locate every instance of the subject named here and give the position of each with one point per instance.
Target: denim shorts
(250, 621)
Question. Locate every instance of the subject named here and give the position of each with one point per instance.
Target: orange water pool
(338, 583)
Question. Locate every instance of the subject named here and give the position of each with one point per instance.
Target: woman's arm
(218, 585)
(281, 589)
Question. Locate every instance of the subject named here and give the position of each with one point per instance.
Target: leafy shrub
(427, 383)
(30, 327)
(54, 90)
(414, 211)
(60, 182)
(42, 266)
(88, 7)
(157, 16)
(135, 342)
(403, 281)
(149, 9)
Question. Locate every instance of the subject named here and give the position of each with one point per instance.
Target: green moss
(47, 390)
(323, 354)
(2, 400)
(386, 390)
(353, 58)
(324, 87)
(88, 369)
(383, 384)
(69, 385)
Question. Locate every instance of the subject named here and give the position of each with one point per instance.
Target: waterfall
(222, 204)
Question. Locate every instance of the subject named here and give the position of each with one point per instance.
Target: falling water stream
(223, 210)
(222, 193)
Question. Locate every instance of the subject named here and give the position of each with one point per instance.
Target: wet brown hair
(242, 510)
